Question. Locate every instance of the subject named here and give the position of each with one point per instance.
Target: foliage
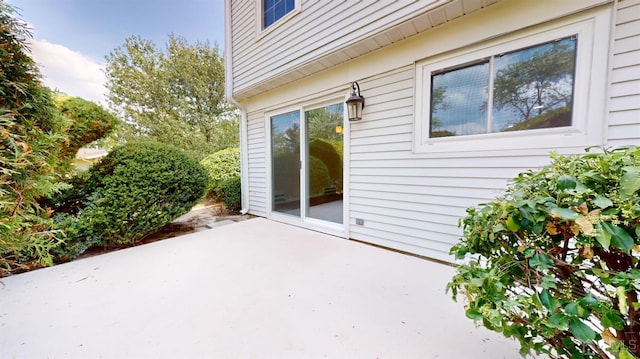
(326, 152)
(442, 133)
(224, 177)
(553, 118)
(322, 122)
(319, 176)
(287, 141)
(174, 96)
(88, 122)
(132, 192)
(555, 262)
(438, 103)
(221, 166)
(232, 193)
(31, 133)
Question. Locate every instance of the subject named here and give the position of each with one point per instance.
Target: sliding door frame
(303, 220)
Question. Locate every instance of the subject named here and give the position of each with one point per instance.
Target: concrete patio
(255, 289)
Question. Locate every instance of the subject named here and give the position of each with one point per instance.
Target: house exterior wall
(323, 27)
(306, 34)
(624, 108)
(410, 200)
(257, 164)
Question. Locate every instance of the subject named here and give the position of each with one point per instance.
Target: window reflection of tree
(286, 141)
(325, 153)
(439, 104)
(538, 89)
(532, 88)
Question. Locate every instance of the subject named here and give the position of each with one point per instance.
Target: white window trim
(261, 30)
(589, 100)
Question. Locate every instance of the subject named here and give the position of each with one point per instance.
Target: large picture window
(525, 89)
(540, 88)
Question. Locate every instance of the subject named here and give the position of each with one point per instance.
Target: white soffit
(421, 23)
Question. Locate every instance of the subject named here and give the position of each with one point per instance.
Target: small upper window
(273, 10)
(525, 89)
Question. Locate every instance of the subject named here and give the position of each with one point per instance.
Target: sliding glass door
(307, 180)
(285, 163)
(324, 129)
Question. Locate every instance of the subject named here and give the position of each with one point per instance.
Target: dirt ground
(203, 216)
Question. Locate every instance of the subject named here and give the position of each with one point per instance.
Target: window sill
(521, 140)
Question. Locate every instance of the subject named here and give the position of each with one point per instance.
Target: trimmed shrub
(555, 262)
(326, 153)
(132, 192)
(88, 123)
(232, 193)
(222, 165)
(319, 177)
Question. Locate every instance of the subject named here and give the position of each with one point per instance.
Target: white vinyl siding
(327, 27)
(257, 164)
(624, 106)
(412, 202)
(334, 23)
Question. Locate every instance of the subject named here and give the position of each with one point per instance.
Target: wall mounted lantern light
(355, 103)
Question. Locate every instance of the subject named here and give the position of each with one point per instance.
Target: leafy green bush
(326, 152)
(222, 165)
(319, 177)
(555, 262)
(232, 193)
(132, 192)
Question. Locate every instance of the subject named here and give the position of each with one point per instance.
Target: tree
(287, 141)
(322, 123)
(38, 140)
(31, 134)
(175, 96)
(438, 103)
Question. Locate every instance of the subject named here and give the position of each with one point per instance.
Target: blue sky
(72, 37)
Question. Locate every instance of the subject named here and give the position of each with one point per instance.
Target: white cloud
(69, 71)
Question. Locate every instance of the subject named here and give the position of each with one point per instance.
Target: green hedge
(221, 166)
(325, 152)
(232, 193)
(88, 122)
(132, 192)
